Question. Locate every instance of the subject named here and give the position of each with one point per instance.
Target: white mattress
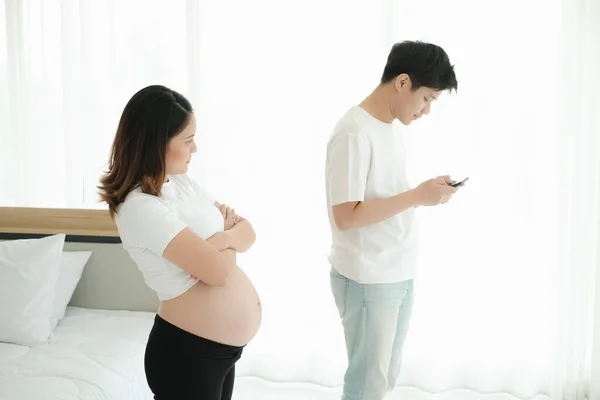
(98, 355)
(93, 354)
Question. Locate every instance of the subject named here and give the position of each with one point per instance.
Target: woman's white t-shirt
(148, 223)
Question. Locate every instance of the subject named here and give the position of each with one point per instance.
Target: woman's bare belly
(230, 314)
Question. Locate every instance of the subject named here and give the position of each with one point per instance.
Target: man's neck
(378, 105)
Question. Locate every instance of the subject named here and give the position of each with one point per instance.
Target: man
(371, 212)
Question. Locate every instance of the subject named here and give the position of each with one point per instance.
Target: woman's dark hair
(150, 119)
(426, 64)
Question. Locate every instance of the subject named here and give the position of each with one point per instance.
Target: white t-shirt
(366, 161)
(147, 224)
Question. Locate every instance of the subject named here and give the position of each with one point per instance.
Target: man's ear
(402, 82)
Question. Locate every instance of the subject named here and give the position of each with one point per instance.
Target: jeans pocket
(339, 288)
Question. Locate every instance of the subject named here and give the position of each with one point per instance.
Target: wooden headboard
(48, 221)
(110, 280)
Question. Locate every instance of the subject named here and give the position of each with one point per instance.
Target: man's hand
(446, 178)
(229, 216)
(435, 191)
(449, 181)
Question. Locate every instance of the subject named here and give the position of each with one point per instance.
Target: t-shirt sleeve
(146, 222)
(348, 163)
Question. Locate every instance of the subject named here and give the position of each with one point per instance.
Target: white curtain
(507, 298)
(577, 300)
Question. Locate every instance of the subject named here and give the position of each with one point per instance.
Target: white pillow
(28, 276)
(69, 274)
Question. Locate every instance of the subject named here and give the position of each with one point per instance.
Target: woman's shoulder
(138, 203)
(147, 221)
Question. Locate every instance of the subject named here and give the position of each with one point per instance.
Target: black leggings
(180, 365)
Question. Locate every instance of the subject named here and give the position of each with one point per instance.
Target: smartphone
(461, 183)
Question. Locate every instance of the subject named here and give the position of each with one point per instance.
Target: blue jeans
(375, 318)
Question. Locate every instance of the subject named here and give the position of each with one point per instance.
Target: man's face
(409, 105)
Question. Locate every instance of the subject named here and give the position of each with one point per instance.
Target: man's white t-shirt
(366, 160)
(147, 224)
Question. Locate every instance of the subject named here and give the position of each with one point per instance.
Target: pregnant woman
(185, 244)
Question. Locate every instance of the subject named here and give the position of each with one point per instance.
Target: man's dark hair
(426, 64)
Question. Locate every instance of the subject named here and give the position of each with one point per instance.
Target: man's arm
(358, 214)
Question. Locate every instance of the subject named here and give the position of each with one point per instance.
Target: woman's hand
(231, 256)
(238, 232)
(230, 218)
(219, 241)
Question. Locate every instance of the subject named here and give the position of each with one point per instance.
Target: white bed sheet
(98, 355)
(92, 355)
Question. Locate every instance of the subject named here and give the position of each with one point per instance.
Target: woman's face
(180, 149)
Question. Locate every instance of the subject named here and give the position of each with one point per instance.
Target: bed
(95, 350)
(92, 354)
